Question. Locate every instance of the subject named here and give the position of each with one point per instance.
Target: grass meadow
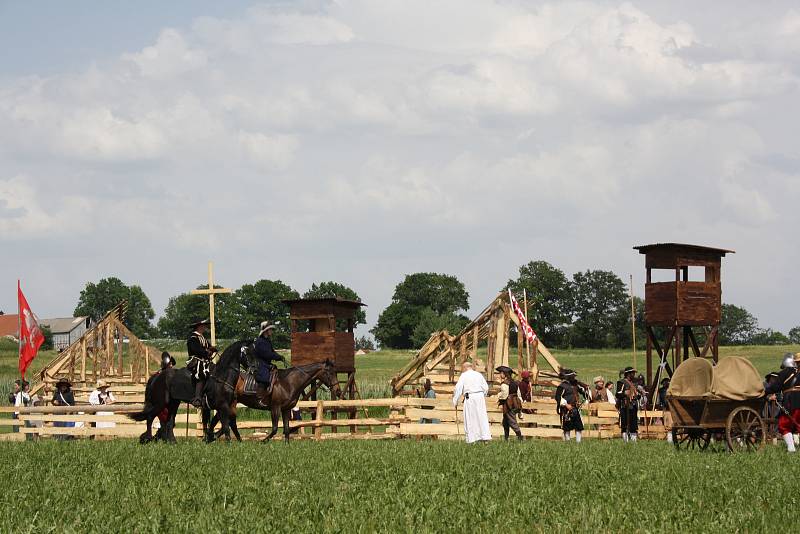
(394, 486)
(420, 486)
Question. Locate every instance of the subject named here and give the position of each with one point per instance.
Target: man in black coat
(568, 403)
(201, 354)
(265, 354)
(627, 395)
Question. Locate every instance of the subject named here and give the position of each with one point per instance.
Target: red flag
(523, 321)
(30, 335)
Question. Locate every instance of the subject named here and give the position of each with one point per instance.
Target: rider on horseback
(201, 354)
(265, 354)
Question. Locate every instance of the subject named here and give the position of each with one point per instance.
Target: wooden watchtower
(684, 303)
(323, 329)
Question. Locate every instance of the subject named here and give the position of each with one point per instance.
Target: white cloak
(476, 420)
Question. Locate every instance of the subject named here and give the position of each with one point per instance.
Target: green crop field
(395, 486)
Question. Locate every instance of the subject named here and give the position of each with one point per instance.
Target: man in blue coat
(265, 354)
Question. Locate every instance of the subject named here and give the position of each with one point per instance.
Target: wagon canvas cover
(734, 378)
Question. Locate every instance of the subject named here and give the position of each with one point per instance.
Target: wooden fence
(391, 418)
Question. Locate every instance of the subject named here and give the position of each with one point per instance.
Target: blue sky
(359, 141)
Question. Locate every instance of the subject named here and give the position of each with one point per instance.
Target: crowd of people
(628, 395)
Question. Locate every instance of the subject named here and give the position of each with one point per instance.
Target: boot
(198, 392)
(262, 392)
(578, 437)
(789, 439)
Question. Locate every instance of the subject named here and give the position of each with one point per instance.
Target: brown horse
(289, 385)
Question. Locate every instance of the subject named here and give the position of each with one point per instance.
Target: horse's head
(327, 376)
(246, 355)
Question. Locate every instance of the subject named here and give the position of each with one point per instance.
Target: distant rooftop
(644, 249)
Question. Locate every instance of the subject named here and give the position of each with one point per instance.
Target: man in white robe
(474, 388)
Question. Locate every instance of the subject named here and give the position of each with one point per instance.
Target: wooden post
(633, 322)
(120, 370)
(528, 362)
(319, 416)
(83, 359)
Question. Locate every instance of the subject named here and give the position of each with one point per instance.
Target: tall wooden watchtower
(690, 299)
(323, 329)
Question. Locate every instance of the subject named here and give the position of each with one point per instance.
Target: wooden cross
(211, 291)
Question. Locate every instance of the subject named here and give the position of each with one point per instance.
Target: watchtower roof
(676, 247)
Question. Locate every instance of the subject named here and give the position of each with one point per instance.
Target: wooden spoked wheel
(690, 439)
(745, 430)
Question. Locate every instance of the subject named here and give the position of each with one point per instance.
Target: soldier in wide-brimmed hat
(628, 405)
(201, 354)
(265, 354)
(510, 401)
(568, 404)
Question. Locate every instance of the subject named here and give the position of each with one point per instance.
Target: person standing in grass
(509, 400)
(788, 383)
(473, 387)
(628, 405)
(568, 404)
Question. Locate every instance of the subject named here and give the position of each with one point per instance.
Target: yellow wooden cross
(211, 291)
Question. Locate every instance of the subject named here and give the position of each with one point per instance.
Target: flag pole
(19, 348)
(633, 322)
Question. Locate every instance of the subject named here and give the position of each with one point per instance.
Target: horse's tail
(151, 407)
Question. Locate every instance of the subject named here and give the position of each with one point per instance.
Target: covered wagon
(710, 403)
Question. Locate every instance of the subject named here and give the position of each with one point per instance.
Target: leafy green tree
(444, 294)
(48, 337)
(601, 310)
(333, 290)
(794, 335)
(97, 299)
(549, 299)
(768, 336)
(429, 322)
(737, 326)
(186, 308)
(262, 301)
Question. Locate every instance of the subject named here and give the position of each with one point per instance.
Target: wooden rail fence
(391, 418)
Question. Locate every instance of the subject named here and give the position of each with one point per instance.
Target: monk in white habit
(474, 388)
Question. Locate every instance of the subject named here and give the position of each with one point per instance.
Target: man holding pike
(628, 405)
(568, 404)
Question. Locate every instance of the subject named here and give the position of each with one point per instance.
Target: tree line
(590, 309)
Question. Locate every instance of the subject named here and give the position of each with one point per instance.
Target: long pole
(19, 349)
(211, 304)
(633, 323)
(527, 343)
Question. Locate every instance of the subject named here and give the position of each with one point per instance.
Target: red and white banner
(523, 321)
(30, 335)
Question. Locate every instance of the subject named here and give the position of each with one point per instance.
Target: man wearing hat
(265, 354)
(525, 387)
(102, 395)
(599, 393)
(510, 401)
(568, 404)
(788, 383)
(628, 405)
(63, 396)
(201, 353)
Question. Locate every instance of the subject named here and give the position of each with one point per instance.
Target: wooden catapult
(441, 357)
(108, 350)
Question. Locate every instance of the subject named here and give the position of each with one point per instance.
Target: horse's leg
(235, 429)
(147, 435)
(275, 414)
(169, 435)
(286, 431)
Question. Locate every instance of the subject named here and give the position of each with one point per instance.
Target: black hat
(666, 379)
(566, 373)
(64, 381)
(505, 369)
(770, 375)
(200, 322)
(628, 370)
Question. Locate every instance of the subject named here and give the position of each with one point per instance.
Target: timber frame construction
(441, 357)
(108, 350)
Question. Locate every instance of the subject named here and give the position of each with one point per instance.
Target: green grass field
(396, 486)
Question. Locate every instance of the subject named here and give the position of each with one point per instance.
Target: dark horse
(170, 387)
(289, 385)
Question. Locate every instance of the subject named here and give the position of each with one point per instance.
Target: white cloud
(384, 130)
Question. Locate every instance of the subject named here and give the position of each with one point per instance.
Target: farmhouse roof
(644, 249)
(62, 325)
(9, 325)
(327, 300)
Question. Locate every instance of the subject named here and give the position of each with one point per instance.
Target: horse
(170, 387)
(289, 385)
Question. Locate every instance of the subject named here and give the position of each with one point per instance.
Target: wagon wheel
(690, 439)
(745, 430)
